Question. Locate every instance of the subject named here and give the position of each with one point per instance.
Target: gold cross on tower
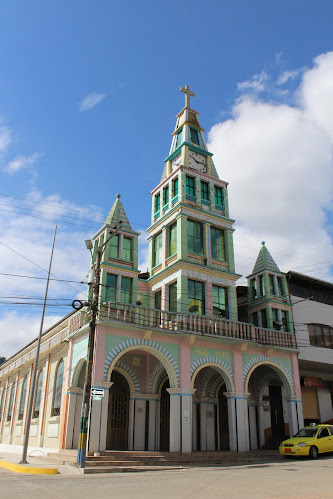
(187, 93)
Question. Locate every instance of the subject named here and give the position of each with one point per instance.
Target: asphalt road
(301, 479)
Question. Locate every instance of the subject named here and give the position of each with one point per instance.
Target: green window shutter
(111, 287)
(175, 187)
(179, 138)
(194, 136)
(205, 191)
(220, 302)
(114, 247)
(166, 195)
(218, 196)
(127, 249)
(217, 244)
(195, 237)
(158, 300)
(173, 297)
(190, 186)
(196, 297)
(157, 249)
(172, 240)
(157, 203)
(126, 290)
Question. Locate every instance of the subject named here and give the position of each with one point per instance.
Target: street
(301, 479)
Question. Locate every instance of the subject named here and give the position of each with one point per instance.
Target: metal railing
(194, 323)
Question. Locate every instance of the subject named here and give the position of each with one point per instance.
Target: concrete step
(126, 469)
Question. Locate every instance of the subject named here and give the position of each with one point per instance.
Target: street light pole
(82, 444)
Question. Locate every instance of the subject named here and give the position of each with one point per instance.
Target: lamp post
(94, 282)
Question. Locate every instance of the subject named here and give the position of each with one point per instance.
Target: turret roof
(264, 261)
(117, 213)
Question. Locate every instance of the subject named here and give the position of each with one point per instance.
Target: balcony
(179, 322)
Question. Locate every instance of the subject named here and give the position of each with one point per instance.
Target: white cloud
(91, 100)
(287, 76)
(278, 160)
(5, 138)
(257, 83)
(20, 162)
(32, 237)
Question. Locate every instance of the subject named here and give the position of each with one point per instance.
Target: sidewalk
(36, 465)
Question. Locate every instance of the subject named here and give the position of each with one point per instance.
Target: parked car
(309, 441)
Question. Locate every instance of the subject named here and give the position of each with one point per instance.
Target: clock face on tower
(197, 161)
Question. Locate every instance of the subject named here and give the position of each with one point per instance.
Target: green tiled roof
(118, 213)
(264, 261)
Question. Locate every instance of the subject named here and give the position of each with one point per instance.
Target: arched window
(57, 390)
(38, 394)
(82, 375)
(11, 403)
(23, 397)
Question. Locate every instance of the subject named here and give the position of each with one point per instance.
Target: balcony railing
(194, 323)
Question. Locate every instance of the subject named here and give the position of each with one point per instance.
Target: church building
(174, 369)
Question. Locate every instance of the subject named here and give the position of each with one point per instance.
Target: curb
(20, 468)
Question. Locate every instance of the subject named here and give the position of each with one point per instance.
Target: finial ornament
(118, 196)
(187, 93)
(263, 243)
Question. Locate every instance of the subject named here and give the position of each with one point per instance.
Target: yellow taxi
(309, 441)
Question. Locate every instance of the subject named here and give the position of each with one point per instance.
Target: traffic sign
(97, 392)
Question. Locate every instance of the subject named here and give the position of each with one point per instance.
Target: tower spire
(188, 94)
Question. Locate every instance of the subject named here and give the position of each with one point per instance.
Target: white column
(276, 288)
(194, 426)
(139, 423)
(118, 288)
(203, 426)
(294, 417)
(104, 415)
(232, 420)
(152, 423)
(186, 408)
(73, 392)
(98, 419)
(175, 444)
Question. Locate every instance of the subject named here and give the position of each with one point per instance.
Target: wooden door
(223, 419)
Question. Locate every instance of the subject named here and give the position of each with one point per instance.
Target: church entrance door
(277, 420)
(165, 417)
(117, 429)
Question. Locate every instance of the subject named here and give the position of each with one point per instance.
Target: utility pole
(82, 444)
(33, 384)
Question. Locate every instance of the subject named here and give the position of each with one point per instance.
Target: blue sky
(88, 97)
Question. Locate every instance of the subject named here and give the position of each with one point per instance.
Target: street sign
(96, 397)
(97, 392)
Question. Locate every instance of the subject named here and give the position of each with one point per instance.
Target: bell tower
(191, 256)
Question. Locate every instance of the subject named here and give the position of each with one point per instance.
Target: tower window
(284, 320)
(190, 186)
(175, 187)
(114, 247)
(111, 287)
(261, 286)
(178, 139)
(263, 318)
(172, 239)
(220, 302)
(196, 297)
(166, 195)
(218, 196)
(194, 237)
(126, 290)
(157, 249)
(127, 249)
(205, 191)
(217, 243)
(280, 286)
(173, 297)
(195, 136)
(271, 284)
(157, 203)
(253, 287)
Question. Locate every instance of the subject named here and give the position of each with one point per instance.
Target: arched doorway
(118, 413)
(165, 416)
(210, 411)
